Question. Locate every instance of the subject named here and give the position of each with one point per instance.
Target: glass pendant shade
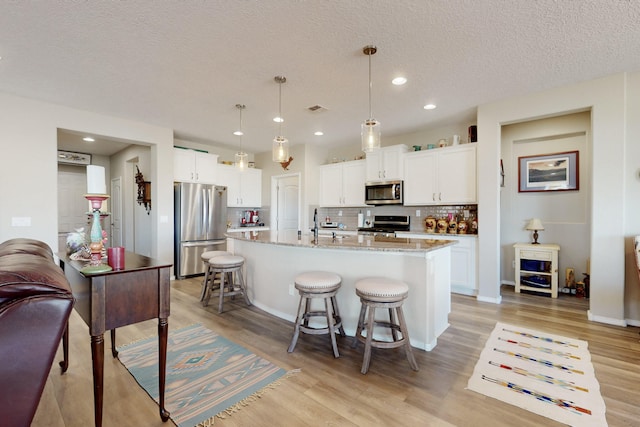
(241, 160)
(280, 149)
(370, 133)
(370, 128)
(280, 146)
(240, 156)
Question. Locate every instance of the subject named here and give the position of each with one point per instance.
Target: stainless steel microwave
(383, 193)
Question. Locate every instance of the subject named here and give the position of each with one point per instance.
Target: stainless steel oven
(383, 193)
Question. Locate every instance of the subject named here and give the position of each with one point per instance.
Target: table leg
(163, 328)
(65, 349)
(97, 354)
(114, 352)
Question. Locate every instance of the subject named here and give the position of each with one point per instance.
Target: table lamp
(536, 225)
(96, 189)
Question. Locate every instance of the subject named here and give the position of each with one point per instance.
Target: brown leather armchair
(35, 304)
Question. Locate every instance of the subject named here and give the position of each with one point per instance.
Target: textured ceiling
(185, 64)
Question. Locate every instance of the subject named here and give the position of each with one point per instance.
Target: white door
(116, 212)
(287, 201)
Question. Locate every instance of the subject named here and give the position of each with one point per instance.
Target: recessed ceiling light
(318, 133)
(429, 107)
(88, 139)
(238, 133)
(278, 119)
(399, 81)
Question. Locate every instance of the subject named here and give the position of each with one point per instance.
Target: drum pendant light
(280, 152)
(370, 129)
(241, 156)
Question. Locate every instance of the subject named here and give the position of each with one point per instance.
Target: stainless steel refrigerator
(200, 224)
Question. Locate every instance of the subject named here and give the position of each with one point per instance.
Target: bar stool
(208, 276)
(226, 266)
(312, 285)
(380, 292)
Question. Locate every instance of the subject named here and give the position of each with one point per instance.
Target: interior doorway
(285, 212)
(116, 211)
(564, 213)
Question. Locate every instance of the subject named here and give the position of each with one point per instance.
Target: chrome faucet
(315, 226)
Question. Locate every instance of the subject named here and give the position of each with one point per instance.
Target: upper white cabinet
(440, 176)
(386, 163)
(194, 166)
(342, 184)
(244, 187)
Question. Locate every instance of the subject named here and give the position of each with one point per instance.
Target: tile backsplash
(349, 216)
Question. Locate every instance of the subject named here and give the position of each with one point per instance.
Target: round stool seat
(206, 256)
(226, 261)
(317, 281)
(382, 289)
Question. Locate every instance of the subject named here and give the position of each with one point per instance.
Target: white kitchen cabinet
(386, 163)
(342, 184)
(440, 176)
(244, 187)
(194, 166)
(464, 256)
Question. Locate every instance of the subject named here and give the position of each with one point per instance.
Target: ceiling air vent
(316, 107)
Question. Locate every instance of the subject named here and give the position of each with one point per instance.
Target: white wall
(632, 198)
(606, 99)
(28, 167)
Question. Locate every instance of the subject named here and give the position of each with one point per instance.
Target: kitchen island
(273, 259)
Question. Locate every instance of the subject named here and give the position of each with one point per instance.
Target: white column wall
(606, 99)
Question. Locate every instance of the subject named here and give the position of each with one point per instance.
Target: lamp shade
(535, 224)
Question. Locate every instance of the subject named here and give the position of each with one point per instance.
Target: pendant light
(370, 129)
(280, 143)
(241, 156)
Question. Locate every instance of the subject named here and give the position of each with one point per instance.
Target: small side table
(537, 268)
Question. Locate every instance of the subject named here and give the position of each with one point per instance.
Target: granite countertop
(435, 235)
(244, 229)
(359, 242)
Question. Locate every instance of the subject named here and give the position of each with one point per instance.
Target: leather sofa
(35, 304)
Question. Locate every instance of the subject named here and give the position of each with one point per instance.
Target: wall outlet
(292, 289)
(339, 213)
(513, 263)
(368, 212)
(418, 213)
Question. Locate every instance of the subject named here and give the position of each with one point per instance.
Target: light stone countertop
(435, 235)
(358, 242)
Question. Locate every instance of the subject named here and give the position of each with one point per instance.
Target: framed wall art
(549, 172)
(72, 158)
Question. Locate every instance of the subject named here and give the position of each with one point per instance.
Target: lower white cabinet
(342, 184)
(244, 187)
(464, 256)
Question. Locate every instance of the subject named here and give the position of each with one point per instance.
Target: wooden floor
(332, 392)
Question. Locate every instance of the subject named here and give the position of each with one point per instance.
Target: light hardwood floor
(332, 392)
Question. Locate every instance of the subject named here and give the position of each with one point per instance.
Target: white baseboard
(607, 320)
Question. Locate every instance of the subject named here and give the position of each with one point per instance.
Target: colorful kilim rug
(547, 374)
(207, 375)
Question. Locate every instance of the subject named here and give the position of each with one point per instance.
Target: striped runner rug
(207, 375)
(547, 374)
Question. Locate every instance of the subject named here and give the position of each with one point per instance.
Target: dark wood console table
(106, 301)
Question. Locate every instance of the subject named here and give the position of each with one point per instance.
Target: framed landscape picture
(549, 172)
